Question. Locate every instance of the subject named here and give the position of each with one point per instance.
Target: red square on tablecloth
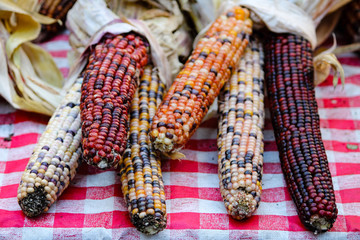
(184, 220)
(12, 218)
(121, 219)
(9, 191)
(69, 220)
(295, 224)
(249, 224)
(16, 166)
(74, 193)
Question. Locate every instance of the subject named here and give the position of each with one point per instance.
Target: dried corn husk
(88, 23)
(324, 62)
(30, 80)
(318, 9)
(164, 20)
(202, 12)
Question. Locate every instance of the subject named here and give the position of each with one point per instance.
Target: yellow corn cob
(140, 168)
(240, 137)
(56, 157)
(199, 82)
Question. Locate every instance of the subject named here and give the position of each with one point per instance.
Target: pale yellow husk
(165, 20)
(31, 80)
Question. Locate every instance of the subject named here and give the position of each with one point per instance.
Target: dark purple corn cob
(289, 74)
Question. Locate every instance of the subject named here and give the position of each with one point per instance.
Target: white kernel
(47, 189)
(142, 214)
(51, 185)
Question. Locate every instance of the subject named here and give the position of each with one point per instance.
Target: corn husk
(318, 9)
(31, 80)
(324, 62)
(88, 23)
(202, 12)
(165, 21)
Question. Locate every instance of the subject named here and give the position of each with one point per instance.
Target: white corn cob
(240, 137)
(55, 159)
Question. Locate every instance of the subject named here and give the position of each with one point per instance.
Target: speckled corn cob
(290, 75)
(140, 169)
(240, 137)
(56, 9)
(199, 82)
(56, 157)
(110, 81)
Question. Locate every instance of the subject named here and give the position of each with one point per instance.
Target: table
(93, 206)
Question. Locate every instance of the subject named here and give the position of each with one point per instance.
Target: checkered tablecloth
(93, 206)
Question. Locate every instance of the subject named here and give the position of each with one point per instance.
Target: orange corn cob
(199, 82)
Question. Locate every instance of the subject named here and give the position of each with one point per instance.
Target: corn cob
(56, 157)
(240, 137)
(289, 75)
(140, 168)
(56, 9)
(110, 81)
(199, 82)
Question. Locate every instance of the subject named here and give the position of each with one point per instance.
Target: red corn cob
(289, 75)
(110, 81)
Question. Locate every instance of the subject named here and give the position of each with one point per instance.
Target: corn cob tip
(149, 224)
(240, 205)
(102, 164)
(35, 203)
(319, 224)
(163, 144)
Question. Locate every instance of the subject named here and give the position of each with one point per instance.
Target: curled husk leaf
(324, 62)
(31, 80)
